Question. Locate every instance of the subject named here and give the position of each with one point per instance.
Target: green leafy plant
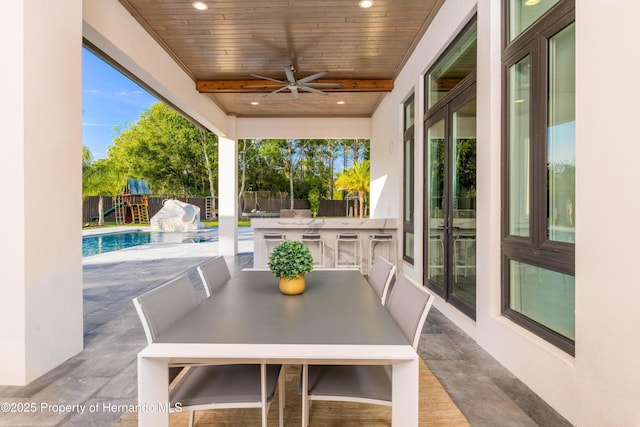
(314, 201)
(290, 259)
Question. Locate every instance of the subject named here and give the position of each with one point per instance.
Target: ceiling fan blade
(289, 72)
(313, 77)
(266, 85)
(275, 91)
(333, 85)
(267, 78)
(294, 91)
(294, 86)
(310, 89)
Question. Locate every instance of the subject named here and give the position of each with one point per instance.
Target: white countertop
(329, 223)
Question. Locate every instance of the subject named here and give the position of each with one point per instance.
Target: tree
(291, 149)
(168, 151)
(176, 157)
(356, 180)
(314, 169)
(87, 158)
(331, 153)
(267, 165)
(204, 137)
(247, 152)
(100, 178)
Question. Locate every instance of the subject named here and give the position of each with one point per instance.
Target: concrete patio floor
(103, 375)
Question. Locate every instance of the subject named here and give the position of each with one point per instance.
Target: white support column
(40, 164)
(228, 191)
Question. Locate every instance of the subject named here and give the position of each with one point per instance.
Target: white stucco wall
(387, 135)
(607, 289)
(601, 385)
(12, 263)
(311, 128)
(40, 165)
(228, 193)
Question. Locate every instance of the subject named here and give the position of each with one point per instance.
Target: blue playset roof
(138, 186)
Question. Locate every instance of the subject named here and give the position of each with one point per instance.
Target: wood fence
(266, 207)
(335, 208)
(90, 206)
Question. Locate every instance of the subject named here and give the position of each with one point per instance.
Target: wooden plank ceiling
(224, 47)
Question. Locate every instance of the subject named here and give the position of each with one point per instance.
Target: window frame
(462, 92)
(408, 226)
(468, 80)
(535, 249)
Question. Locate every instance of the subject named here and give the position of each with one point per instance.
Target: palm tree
(356, 180)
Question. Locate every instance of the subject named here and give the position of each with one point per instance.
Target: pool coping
(163, 250)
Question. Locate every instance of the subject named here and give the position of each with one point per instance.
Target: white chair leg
(263, 393)
(192, 415)
(284, 388)
(305, 398)
(281, 398)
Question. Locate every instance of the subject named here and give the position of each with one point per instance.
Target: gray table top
(337, 308)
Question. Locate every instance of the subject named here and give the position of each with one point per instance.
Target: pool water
(101, 243)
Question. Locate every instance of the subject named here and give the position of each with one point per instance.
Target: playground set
(132, 205)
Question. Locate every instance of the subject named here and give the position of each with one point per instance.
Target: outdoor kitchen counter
(328, 228)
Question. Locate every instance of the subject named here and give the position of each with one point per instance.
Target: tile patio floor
(104, 373)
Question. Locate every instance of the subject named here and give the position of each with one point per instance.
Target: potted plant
(290, 261)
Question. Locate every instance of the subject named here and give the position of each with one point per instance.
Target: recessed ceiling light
(198, 5)
(365, 4)
(255, 103)
(531, 2)
(340, 102)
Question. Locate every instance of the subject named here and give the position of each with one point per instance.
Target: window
(539, 163)
(456, 64)
(407, 227)
(450, 173)
(523, 13)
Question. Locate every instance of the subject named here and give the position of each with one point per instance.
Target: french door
(450, 201)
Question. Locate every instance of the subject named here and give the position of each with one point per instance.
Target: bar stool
(350, 239)
(387, 238)
(314, 239)
(271, 240)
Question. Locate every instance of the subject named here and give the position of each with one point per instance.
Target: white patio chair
(207, 386)
(214, 274)
(408, 305)
(380, 277)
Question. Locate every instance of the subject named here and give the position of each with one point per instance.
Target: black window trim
(464, 83)
(462, 92)
(408, 136)
(536, 249)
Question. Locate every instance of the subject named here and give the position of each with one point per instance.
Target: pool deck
(164, 250)
(104, 374)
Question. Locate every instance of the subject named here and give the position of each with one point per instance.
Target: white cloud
(90, 124)
(130, 92)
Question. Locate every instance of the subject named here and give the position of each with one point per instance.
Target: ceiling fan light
(198, 5)
(365, 4)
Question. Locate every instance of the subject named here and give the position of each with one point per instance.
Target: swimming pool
(108, 242)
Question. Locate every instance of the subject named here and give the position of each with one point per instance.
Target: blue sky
(109, 99)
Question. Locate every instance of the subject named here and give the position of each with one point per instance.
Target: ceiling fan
(305, 84)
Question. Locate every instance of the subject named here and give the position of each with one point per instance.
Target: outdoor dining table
(337, 320)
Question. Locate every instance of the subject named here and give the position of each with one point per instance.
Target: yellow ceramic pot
(293, 286)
